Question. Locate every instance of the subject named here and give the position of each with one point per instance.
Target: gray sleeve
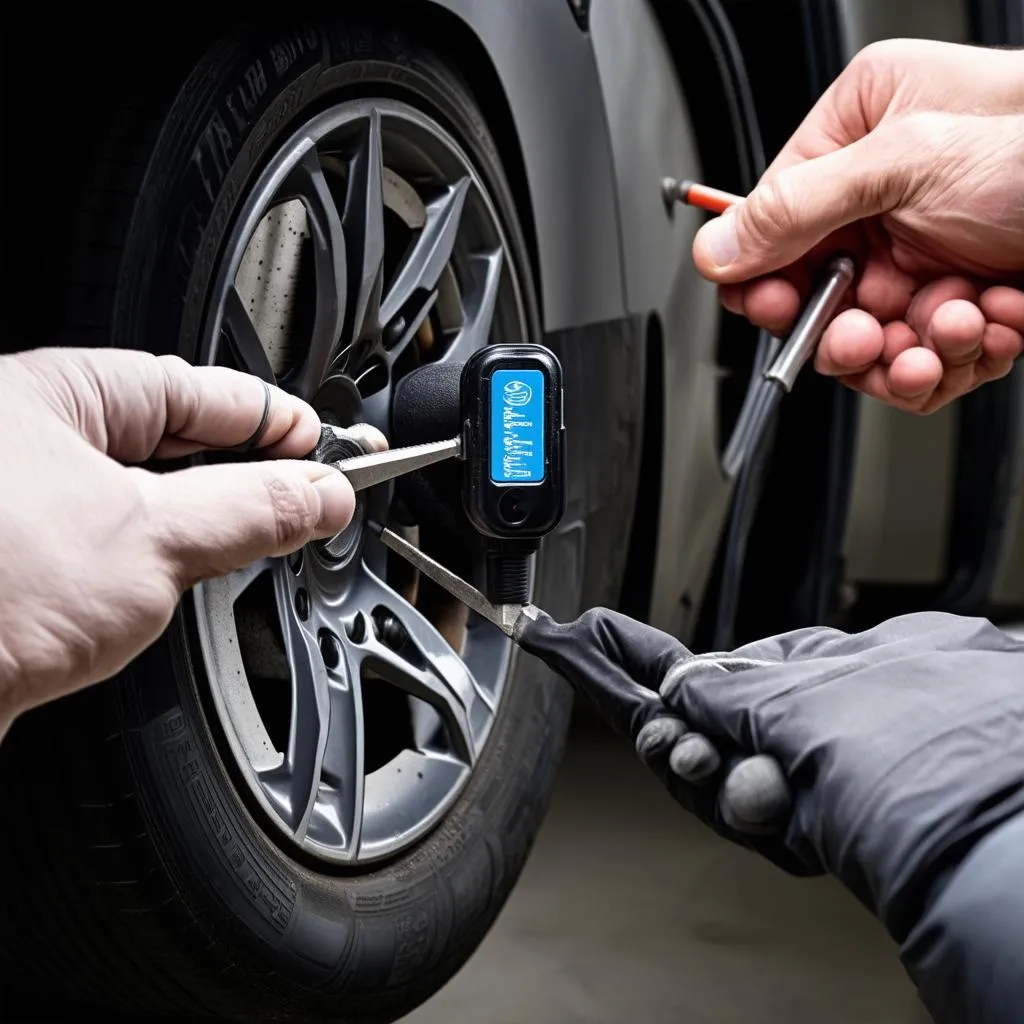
(966, 954)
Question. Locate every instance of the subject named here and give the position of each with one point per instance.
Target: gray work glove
(619, 665)
(903, 745)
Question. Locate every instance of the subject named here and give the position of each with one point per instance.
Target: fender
(546, 67)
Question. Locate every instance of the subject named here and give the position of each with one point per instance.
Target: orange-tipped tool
(692, 193)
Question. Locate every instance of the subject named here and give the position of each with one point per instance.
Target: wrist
(963, 952)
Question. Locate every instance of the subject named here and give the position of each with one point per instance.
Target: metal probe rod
(815, 317)
(377, 467)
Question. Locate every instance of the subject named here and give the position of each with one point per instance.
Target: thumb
(212, 520)
(789, 213)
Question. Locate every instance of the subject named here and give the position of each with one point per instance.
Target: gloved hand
(619, 665)
(903, 745)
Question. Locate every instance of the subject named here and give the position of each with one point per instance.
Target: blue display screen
(517, 427)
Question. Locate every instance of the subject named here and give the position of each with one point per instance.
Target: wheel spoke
(430, 252)
(338, 815)
(293, 787)
(479, 304)
(363, 222)
(308, 184)
(243, 340)
(423, 665)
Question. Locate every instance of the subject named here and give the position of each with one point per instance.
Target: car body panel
(557, 91)
(603, 368)
(651, 137)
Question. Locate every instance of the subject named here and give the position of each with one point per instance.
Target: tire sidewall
(384, 938)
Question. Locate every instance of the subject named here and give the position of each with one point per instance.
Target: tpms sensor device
(481, 449)
(514, 458)
(511, 399)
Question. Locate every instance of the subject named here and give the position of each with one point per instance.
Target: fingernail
(336, 503)
(720, 240)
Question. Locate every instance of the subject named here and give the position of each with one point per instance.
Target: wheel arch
(532, 68)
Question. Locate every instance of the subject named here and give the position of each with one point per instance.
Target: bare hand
(914, 160)
(94, 555)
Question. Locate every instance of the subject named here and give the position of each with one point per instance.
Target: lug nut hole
(389, 630)
(356, 629)
(330, 649)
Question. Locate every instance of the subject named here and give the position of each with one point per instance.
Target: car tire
(140, 874)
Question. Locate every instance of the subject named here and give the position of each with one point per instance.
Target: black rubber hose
(750, 451)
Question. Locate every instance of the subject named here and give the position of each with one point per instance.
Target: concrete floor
(630, 911)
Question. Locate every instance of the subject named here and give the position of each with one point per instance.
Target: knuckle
(592, 622)
(659, 737)
(875, 68)
(174, 364)
(295, 507)
(921, 407)
(873, 54)
(178, 396)
(867, 73)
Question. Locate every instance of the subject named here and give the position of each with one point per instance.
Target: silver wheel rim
(322, 218)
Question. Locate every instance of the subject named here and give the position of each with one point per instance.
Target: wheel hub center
(337, 403)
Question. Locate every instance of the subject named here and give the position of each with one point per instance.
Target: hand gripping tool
(785, 362)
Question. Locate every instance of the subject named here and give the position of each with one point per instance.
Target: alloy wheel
(354, 702)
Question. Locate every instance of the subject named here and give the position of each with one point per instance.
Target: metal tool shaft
(504, 616)
(816, 316)
(367, 470)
